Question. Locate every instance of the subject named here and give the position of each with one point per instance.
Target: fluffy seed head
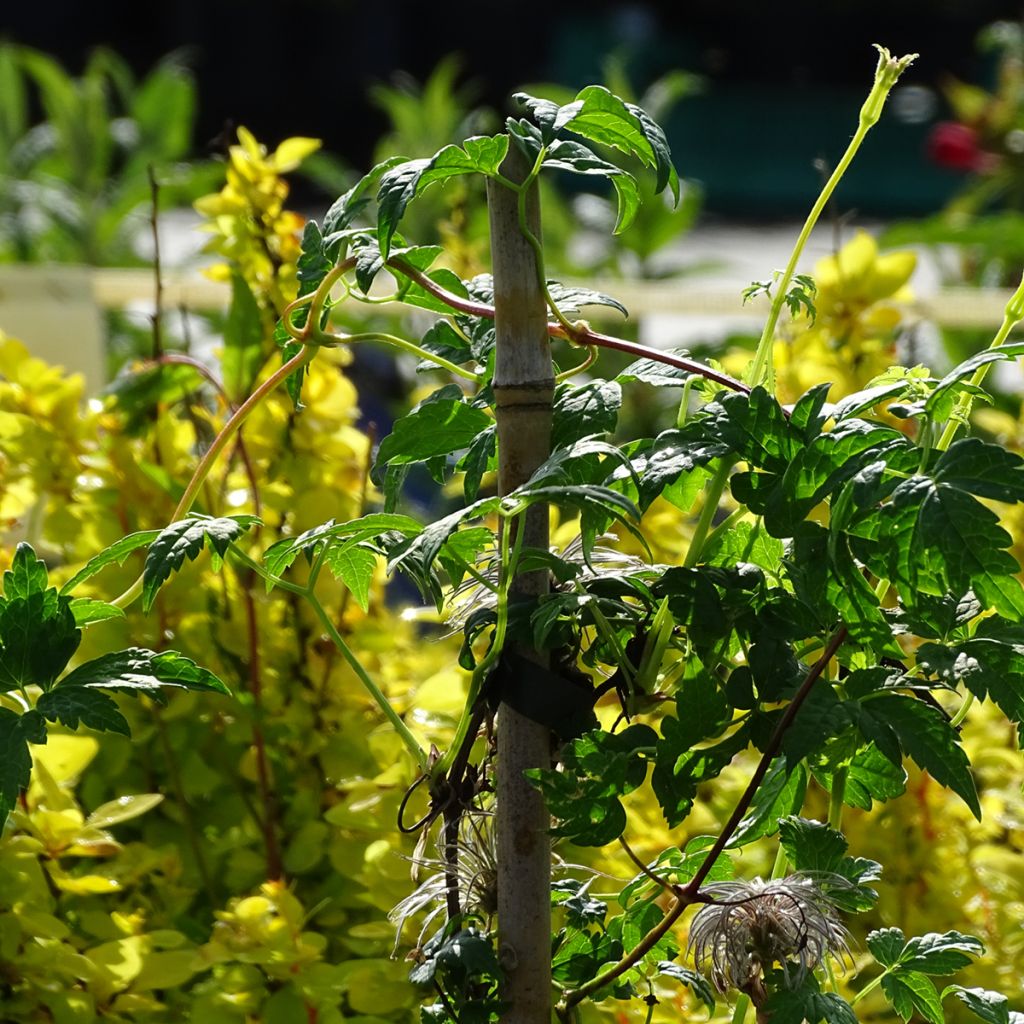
(476, 874)
(750, 926)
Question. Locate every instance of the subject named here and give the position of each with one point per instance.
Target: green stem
(400, 343)
(254, 566)
(762, 370)
(961, 714)
(651, 1004)
(1013, 315)
(869, 987)
(508, 558)
(781, 865)
(712, 497)
(419, 755)
(739, 1013)
(726, 524)
(585, 365)
(604, 628)
(835, 800)
(684, 402)
(220, 442)
(538, 250)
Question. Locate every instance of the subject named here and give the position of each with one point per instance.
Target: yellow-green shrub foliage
(173, 908)
(234, 861)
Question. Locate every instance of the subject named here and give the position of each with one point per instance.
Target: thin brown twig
(772, 748)
(657, 879)
(690, 893)
(207, 374)
(158, 297)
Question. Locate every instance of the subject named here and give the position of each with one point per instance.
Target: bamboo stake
(523, 389)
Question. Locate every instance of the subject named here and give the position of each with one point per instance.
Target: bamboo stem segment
(523, 390)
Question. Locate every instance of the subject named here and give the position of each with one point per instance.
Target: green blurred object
(75, 187)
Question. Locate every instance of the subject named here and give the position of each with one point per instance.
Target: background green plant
(274, 952)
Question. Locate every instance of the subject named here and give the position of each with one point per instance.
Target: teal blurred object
(755, 151)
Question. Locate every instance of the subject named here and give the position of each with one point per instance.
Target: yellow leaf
(847, 268)
(378, 986)
(167, 970)
(84, 885)
(292, 152)
(119, 962)
(124, 808)
(891, 272)
(66, 757)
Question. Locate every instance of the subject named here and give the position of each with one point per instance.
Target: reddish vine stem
(657, 879)
(269, 818)
(180, 359)
(582, 336)
(690, 893)
(770, 751)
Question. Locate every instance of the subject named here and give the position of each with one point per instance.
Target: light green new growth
(887, 73)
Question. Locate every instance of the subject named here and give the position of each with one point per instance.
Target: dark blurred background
(783, 82)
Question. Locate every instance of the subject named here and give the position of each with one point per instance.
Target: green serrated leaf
(959, 374)
(88, 610)
(886, 944)
(780, 794)
(937, 953)
(908, 991)
(677, 774)
(991, 1007)
(417, 556)
(70, 705)
(400, 184)
(599, 116)
(138, 670)
(826, 462)
(695, 982)
(655, 372)
(354, 566)
(27, 574)
(38, 637)
(480, 458)
(16, 733)
(598, 769)
(279, 556)
(441, 426)
(571, 299)
(931, 742)
(117, 552)
(942, 539)
(811, 845)
(186, 539)
(989, 666)
(347, 207)
(755, 428)
(808, 1005)
(821, 717)
(987, 470)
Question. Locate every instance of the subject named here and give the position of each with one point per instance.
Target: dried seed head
(752, 925)
(476, 875)
(470, 596)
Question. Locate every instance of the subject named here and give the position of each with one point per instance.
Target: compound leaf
(138, 670)
(117, 552)
(70, 705)
(185, 539)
